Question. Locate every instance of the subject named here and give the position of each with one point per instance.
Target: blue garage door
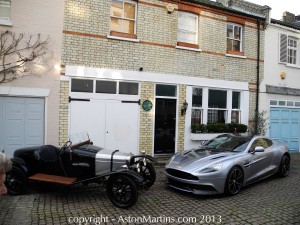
(285, 125)
(21, 123)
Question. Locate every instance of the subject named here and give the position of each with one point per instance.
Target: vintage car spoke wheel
(148, 173)
(234, 181)
(16, 181)
(284, 168)
(122, 191)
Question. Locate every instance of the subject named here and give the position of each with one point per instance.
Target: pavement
(271, 201)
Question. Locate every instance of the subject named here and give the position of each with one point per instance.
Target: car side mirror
(259, 149)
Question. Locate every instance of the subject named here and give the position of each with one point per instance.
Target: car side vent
(217, 157)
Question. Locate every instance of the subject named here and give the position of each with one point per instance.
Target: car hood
(192, 160)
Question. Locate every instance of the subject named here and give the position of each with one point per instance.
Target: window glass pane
(196, 116)
(116, 24)
(128, 88)
(297, 104)
(236, 45)
(116, 8)
(190, 38)
(235, 100)
(229, 31)
(191, 23)
(216, 116)
(129, 10)
(290, 103)
(282, 103)
(128, 26)
(108, 87)
(181, 21)
(237, 32)
(273, 102)
(80, 85)
(217, 99)
(197, 97)
(235, 116)
(229, 44)
(166, 90)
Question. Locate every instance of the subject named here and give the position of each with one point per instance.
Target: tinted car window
(227, 143)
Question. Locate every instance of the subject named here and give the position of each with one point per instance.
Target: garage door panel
(88, 117)
(285, 125)
(274, 114)
(285, 130)
(23, 123)
(275, 131)
(2, 123)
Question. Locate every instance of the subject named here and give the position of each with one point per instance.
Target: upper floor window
(187, 28)
(123, 16)
(5, 12)
(292, 50)
(289, 49)
(234, 38)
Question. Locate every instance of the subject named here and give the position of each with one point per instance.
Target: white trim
(28, 92)
(4, 22)
(102, 73)
(292, 65)
(190, 49)
(122, 38)
(236, 56)
(284, 27)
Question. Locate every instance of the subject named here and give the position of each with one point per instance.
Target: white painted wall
(273, 69)
(45, 17)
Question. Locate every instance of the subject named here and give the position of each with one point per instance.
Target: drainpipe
(257, 76)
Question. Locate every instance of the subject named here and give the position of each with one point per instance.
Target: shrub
(219, 128)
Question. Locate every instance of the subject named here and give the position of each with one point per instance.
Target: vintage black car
(82, 162)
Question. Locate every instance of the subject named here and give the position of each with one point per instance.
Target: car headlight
(212, 168)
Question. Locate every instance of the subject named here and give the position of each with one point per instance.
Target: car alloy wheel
(284, 169)
(234, 181)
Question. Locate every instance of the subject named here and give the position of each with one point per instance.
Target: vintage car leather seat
(47, 153)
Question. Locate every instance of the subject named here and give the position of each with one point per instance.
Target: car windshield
(78, 138)
(227, 143)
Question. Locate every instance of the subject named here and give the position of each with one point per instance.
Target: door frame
(176, 124)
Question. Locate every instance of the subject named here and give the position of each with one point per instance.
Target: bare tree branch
(20, 55)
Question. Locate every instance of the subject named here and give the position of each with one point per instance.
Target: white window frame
(123, 18)
(284, 47)
(185, 30)
(5, 20)
(233, 39)
(198, 107)
(294, 49)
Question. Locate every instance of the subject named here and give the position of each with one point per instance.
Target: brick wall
(87, 24)
(63, 112)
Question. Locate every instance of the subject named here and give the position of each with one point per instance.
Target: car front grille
(181, 174)
(188, 186)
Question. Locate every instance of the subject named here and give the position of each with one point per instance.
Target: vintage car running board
(53, 179)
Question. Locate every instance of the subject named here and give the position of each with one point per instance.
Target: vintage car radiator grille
(181, 174)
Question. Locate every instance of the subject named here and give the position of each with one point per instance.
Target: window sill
(189, 49)
(236, 56)
(122, 38)
(5, 23)
(292, 65)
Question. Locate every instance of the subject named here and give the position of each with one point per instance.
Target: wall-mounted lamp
(141, 69)
(283, 75)
(184, 108)
(170, 8)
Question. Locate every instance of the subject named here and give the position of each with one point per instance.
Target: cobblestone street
(271, 201)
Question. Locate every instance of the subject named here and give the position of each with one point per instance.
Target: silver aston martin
(227, 163)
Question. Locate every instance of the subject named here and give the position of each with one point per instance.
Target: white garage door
(22, 123)
(111, 124)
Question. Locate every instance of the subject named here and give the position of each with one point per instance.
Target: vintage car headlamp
(211, 168)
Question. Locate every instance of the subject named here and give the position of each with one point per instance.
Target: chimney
(288, 17)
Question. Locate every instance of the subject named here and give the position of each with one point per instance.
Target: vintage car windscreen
(79, 138)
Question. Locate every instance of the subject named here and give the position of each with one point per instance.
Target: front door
(165, 126)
